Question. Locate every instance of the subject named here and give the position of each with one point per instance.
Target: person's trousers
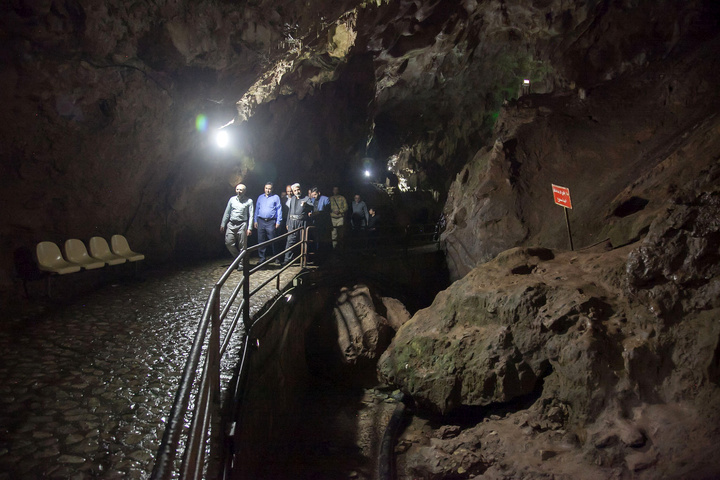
(236, 237)
(293, 238)
(266, 231)
(338, 231)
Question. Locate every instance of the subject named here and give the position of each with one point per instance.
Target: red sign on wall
(561, 195)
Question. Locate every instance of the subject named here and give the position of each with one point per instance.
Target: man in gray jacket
(360, 215)
(237, 221)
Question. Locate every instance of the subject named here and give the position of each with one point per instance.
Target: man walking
(298, 208)
(268, 216)
(285, 200)
(320, 217)
(360, 215)
(236, 221)
(338, 209)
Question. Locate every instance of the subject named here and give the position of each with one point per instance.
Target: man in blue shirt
(268, 216)
(237, 218)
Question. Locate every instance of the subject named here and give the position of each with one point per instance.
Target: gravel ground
(85, 387)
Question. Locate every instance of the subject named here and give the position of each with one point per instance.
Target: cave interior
(469, 111)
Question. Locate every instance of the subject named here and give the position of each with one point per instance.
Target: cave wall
(99, 125)
(621, 148)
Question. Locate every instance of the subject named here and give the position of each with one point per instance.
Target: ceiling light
(222, 138)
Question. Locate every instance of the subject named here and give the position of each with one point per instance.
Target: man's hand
(249, 232)
(277, 225)
(222, 229)
(256, 225)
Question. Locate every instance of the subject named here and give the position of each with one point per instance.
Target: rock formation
(349, 341)
(617, 349)
(621, 148)
(362, 333)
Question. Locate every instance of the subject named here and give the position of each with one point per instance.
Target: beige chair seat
(100, 249)
(51, 260)
(76, 252)
(120, 247)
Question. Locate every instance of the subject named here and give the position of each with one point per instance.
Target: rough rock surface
(362, 333)
(614, 350)
(621, 147)
(396, 314)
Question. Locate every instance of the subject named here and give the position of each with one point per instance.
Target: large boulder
(492, 336)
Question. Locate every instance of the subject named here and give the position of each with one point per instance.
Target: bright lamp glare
(526, 81)
(222, 139)
(367, 173)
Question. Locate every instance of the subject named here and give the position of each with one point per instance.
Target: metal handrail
(206, 410)
(207, 401)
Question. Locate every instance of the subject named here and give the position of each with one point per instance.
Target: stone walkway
(85, 388)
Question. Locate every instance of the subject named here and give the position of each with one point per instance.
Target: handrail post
(214, 348)
(246, 291)
(303, 246)
(214, 371)
(280, 259)
(303, 236)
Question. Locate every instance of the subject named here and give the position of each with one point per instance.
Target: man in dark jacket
(298, 209)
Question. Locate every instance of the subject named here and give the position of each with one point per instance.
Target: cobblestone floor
(85, 387)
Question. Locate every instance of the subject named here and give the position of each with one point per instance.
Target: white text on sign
(561, 195)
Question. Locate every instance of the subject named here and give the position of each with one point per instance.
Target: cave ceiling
(430, 85)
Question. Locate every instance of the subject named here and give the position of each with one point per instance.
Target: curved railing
(206, 408)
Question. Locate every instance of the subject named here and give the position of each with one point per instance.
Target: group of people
(272, 215)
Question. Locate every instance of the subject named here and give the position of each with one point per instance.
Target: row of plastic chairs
(77, 256)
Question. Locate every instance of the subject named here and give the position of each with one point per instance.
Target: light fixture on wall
(526, 86)
(367, 168)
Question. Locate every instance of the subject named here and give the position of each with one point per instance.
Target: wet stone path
(85, 387)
